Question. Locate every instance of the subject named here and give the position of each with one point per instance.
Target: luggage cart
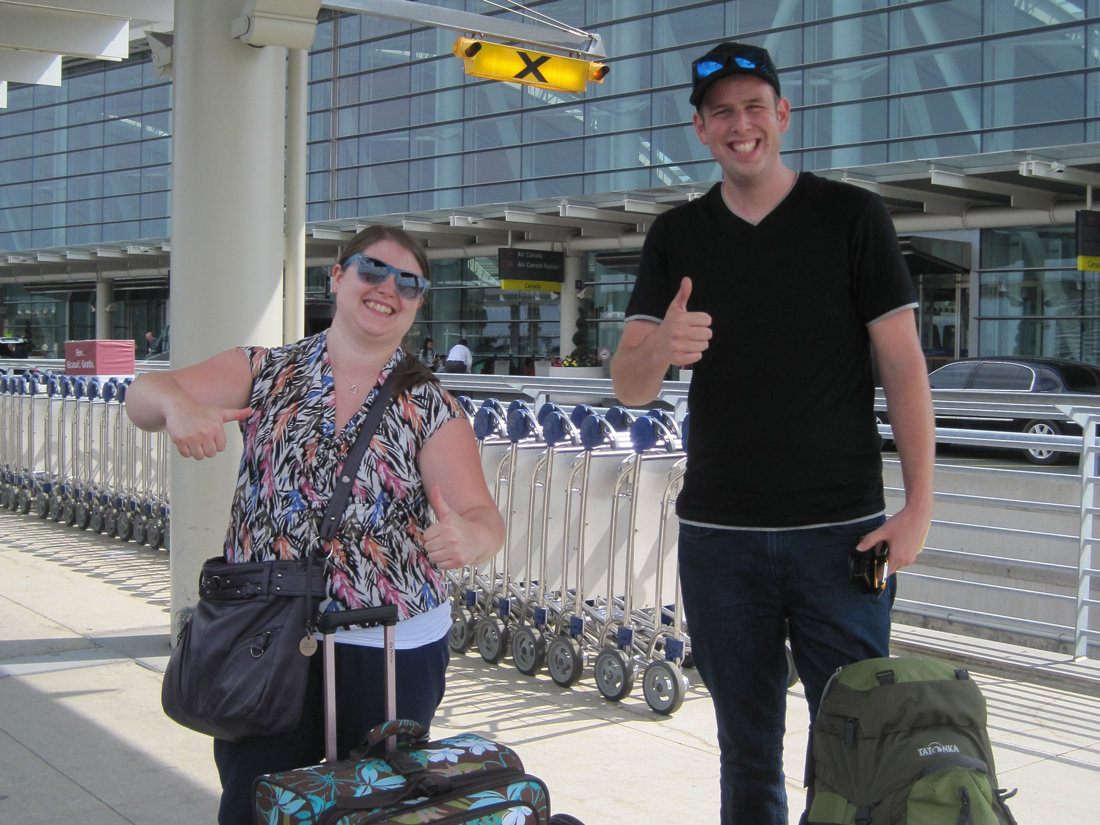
(48, 501)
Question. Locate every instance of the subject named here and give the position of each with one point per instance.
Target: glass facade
(395, 126)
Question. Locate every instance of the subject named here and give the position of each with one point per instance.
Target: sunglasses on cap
(373, 271)
(727, 59)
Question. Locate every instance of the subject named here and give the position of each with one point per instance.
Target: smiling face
(377, 314)
(742, 124)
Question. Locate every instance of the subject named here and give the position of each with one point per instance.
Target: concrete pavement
(84, 639)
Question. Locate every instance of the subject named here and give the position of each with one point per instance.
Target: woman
(299, 408)
(428, 356)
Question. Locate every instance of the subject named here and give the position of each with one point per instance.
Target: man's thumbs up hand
(684, 335)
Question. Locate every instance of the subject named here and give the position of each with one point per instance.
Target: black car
(1037, 375)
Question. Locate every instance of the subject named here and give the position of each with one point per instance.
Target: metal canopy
(1020, 188)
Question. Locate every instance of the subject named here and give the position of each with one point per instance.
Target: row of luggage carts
(588, 572)
(69, 453)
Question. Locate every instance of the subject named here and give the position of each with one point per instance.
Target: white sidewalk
(84, 636)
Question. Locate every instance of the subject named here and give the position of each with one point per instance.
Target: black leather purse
(242, 661)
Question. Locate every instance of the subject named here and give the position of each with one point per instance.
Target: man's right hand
(683, 336)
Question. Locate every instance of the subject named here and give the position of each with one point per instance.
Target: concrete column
(227, 243)
(570, 302)
(104, 295)
(294, 276)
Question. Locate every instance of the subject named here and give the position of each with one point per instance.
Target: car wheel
(1037, 455)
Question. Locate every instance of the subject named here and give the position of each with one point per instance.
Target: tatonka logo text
(936, 748)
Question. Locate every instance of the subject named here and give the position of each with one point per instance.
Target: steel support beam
(60, 31)
(30, 67)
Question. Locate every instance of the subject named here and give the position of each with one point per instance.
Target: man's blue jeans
(742, 588)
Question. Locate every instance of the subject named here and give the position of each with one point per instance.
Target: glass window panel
(156, 125)
(436, 173)
(436, 140)
(90, 160)
(347, 152)
(1036, 53)
(384, 205)
(48, 117)
(1033, 337)
(1005, 17)
(318, 212)
(48, 95)
(936, 69)
(154, 152)
(86, 136)
(617, 151)
(1033, 137)
(348, 60)
(127, 182)
(491, 166)
(669, 69)
(347, 183)
(154, 205)
(560, 158)
(855, 80)
(631, 75)
(437, 199)
(48, 237)
(388, 83)
(619, 181)
(682, 28)
(49, 191)
(49, 166)
(550, 124)
(492, 132)
(1030, 293)
(319, 188)
(569, 12)
(497, 193)
(935, 23)
(1029, 248)
(940, 147)
(757, 15)
(845, 124)
(320, 65)
(380, 54)
(432, 42)
(323, 38)
(668, 107)
(320, 126)
(16, 123)
(436, 74)
(46, 143)
(317, 157)
(123, 105)
(46, 215)
(1034, 101)
(92, 233)
(86, 111)
(848, 156)
(347, 122)
(126, 76)
(380, 26)
(492, 98)
(388, 114)
(320, 96)
(19, 146)
(15, 171)
(852, 37)
(630, 37)
(86, 84)
(822, 9)
(127, 231)
(934, 113)
(347, 28)
(433, 108)
(601, 11)
(622, 114)
(15, 194)
(79, 212)
(553, 187)
(156, 98)
(17, 219)
(159, 228)
(155, 178)
(121, 131)
(678, 144)
(687, 173)
(384, 147)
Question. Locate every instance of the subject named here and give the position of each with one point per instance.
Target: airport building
(977, 121)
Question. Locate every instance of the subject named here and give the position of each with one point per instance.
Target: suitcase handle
(414, 730)
(386, 615)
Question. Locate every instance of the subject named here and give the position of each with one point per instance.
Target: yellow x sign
(515, 65)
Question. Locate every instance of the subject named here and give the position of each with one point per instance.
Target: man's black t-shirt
(783, 430)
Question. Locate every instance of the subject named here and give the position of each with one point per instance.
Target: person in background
(459, 359)
(784, 466)
(150, 344)
(300, 408)
(428, 356)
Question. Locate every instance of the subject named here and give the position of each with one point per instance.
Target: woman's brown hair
(413, 373)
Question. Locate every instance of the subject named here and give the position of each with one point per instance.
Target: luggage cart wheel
(124, 525)
(82, 516)
(664, 686)
(565, 661)
(615, 673)
(529, 650)
(56, 508)
(68, 513)
(792, 671)
(42, 507)
(96, 522)
(492, 639)
(460, 636)
(110, 521)
(139, 530)
(25, 502)
(154, 534)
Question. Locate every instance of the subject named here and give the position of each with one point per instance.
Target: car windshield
(1081, 379)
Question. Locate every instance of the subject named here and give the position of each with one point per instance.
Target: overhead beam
(1052, 170)
(933, 202)
(36, 68)
(57, 31)
(466, 22)
(611, 216)
(577, 225)
(1022, 197)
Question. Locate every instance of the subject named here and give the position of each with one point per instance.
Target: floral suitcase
(461, 780)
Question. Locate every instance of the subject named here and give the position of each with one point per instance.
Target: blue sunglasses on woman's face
(374, 272)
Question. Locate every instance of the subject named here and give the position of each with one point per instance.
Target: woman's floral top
(292, 454)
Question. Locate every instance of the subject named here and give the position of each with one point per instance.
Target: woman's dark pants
(421, 679)
(741, 589)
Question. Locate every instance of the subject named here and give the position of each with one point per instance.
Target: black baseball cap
(727, 59)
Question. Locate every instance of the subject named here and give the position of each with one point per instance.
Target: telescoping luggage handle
(328, 624)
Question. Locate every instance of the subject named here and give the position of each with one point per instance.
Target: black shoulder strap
(335, 510)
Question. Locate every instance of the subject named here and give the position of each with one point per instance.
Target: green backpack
(902, 741)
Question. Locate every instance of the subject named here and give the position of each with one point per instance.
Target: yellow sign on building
(517, 65)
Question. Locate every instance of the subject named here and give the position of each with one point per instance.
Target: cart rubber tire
(792, 671)
(124, 526)
(565, 661)
(492, 639)
(615, 673)
(81, 516)
(664, 686)
(460, 635)
(44, 507)
(96, 521)
(154, 534)
(26, 501)
(528, 650)
(68, 512)
(139, 530)
(110, 521)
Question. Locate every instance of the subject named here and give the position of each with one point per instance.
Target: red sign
(99, 357)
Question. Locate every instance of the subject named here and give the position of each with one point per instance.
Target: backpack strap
(863, 815)
(966, 817)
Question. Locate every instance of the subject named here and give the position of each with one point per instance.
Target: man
(459, 359)
(150, 344)
(801, 279)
